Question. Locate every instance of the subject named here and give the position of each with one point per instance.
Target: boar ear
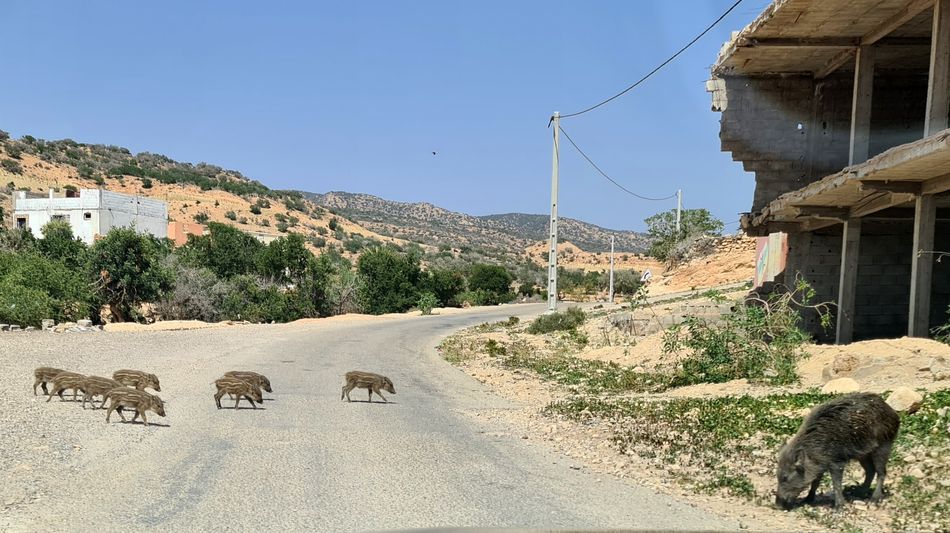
(800, 461)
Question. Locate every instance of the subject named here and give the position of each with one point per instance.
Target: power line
(660, 66)
(604, 174)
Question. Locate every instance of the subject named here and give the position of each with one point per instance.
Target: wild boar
(367, 380)
(251, 377)
(97, 386)
(238, 388)
(65, 381)
(859, 426)
(44, 375)
(139, 401)
(137, 379)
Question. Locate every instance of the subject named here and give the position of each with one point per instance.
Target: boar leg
(346, 392)
(879, 458)
(370, 391)
(814, 488)
(251, 400)
(217, 398)
(237, 401)
(144, 420)
(36, 384)
(114, 407)
(56, 392)
(380, 394)
(837, 473)
(868, 464)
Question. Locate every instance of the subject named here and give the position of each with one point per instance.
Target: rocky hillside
(433, 225)
(194, 193)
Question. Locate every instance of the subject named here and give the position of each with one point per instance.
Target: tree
(59, 244)
(127, 270)
(285, 260)
(445, 284)
(388, 281)
(662, 229)
(34, 287)
(225, 250)
(493, 280)
(626, 281)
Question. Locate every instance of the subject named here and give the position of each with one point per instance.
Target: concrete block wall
(793, 130)
(883, 288)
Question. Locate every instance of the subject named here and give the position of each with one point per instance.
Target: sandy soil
(570, 256)
(733, 261)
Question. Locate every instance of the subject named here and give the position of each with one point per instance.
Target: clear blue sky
(356, 96)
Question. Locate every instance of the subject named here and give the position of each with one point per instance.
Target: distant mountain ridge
(435, 225)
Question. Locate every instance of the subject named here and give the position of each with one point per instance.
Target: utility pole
(679, 209)
(552, 252)
(610, 291)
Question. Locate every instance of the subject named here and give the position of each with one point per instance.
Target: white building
(92, 213)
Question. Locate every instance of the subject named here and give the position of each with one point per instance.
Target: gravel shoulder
(436, 457)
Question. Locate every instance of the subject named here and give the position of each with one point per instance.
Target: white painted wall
(105, 210)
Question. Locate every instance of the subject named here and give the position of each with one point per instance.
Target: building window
(59, 217)
(87, 216)
(20, 222)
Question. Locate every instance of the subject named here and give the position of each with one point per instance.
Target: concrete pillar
(848, 280)
(938, 88)
(861, 106)
(921, 270)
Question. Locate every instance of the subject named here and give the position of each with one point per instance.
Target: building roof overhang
(891, 179)
(821, 36)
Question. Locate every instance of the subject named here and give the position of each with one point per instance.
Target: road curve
(309, 462)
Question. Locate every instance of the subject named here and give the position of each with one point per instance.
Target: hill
(434, 225)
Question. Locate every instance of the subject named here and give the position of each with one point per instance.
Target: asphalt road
(307, 461)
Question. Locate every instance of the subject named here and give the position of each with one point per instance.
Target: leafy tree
(662, 229)
(256, 300)
(493, 280)
(285, 260)
(388, 281)
(59, 244)
(626, 281)
(127, 269)
(34, 287)
(444, 284)
(225, 250)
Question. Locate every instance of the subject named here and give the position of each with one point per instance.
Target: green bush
(225, 250)
(426, 302)
(256, 209)
(282, 227)
(242, 220)
(14, 150)
(230, 215)
(59, 244)
(760, 340)
(388, 281)
(318, 242)
(201, 218)
(559, 321)
(127, 269)
(11, 166)
(196, 294)
(333, 224)
(256, 300)
(664, 235)
(942, 333)
(60, 292)
(445, 284)
(146, 183)
(24, 306)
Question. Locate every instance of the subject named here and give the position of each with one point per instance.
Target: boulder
(48, 324)
(841, 386)
(85, 323)
(905, 400)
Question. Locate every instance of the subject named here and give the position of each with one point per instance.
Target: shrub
(201, 218)
(333, 224)
(760, 340)
(256, 209)
(225, 250)
(242, 220)
(942, 333)
(60, 292)
(322, 230)
(127, 269)
(230, 215)
(445, 284)
(256, 300)
(426, 302)
(196, 294)
(662, 229)
(282, 227)
(318, 242)
(388, 281)
(527, 289)
(14, 150)
(295, 203)
(59, 244)
(559, 321)
(4, 136)
(146, 183)
(11, 166)
(265, 222)
(493, 281)
(284, 260)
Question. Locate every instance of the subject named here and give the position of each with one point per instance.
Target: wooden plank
(921, 269)
(861, 106)
(835, 63)
(936, 185)
(820, 211)
(938, 89)
(909, 187)
(880, 202)
(848, 280)
(899, 19)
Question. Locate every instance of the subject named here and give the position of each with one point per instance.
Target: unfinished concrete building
(840, 108)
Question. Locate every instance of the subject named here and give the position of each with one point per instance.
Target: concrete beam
(936, 185)
(848, 280)
(938, 88)
(861, 106)
(900, 18)
(835, 63)
(908, 187)
(921, 270)
(818, 211)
